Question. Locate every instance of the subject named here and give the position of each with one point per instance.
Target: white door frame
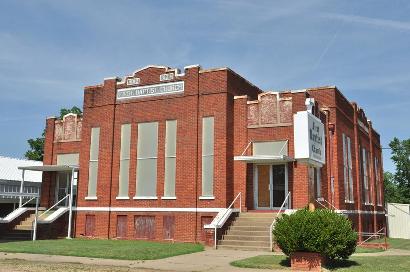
(255, 186)
(57, 189)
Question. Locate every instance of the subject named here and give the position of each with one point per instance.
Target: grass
(368, 250)
(264, 262)
(110, 249)
(355, 263)
(395, 243)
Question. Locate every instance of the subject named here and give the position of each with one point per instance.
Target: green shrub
(322, 231)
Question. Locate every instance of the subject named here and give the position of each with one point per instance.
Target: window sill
(122, 197)
(145, 197)
(368, 204)
(206, 198)
(169, 197)
(349, 202)
(90, 198)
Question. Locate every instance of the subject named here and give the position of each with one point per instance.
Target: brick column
(357, 162)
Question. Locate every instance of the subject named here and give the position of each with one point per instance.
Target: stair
(22, 231)
(249, 231)
(16, 235)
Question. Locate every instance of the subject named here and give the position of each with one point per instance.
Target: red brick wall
(207, 93)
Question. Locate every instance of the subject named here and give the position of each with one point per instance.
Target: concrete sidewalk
(208, 260)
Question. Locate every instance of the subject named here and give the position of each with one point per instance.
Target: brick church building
(162, 154)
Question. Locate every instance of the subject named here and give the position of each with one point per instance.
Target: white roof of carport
(50, 168)
(9, 169)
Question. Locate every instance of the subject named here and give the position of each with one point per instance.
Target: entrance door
(270, 185)
(62, 187)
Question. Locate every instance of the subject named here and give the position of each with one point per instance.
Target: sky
(50, 50)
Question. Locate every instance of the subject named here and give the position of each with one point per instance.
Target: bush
(322, 231)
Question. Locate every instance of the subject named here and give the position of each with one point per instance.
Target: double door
(270, 186)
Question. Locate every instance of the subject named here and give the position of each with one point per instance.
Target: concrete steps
(16, 235)
(249, 231)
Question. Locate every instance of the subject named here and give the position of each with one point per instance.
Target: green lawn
(395, 243)
(355, 263)
(110, 249)
(368, 250)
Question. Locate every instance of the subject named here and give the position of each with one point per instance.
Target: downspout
(112, 165)
(197, 161)
(332, 178)
(358, 180)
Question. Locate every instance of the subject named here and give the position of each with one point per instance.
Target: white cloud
(392, 24)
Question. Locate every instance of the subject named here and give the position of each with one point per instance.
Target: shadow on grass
(336, 264)
(285, 262)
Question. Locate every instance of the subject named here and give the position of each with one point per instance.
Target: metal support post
(70, 215)
(35, 220)
(21, 189)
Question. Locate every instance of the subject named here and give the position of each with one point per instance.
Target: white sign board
(151, 90)
(309, 137)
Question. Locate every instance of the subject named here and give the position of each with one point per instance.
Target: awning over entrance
(50, 168)
(264, 159)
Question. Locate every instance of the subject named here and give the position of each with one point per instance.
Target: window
(348, 169)
(147, 148)
(144, 226)
(90, 225)
(207, 156)
(170, 158)
(378, 182)
(318, 182)
(93, 165)
(124, 161)
(365, 176)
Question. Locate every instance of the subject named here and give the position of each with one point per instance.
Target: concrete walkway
(208, 260)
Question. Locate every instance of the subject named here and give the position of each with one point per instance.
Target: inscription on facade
(166, 77)
(133, 81)
(151, 90)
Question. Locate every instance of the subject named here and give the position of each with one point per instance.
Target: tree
(74, 109)
(392, 192)
(36, 151)
(401, 178)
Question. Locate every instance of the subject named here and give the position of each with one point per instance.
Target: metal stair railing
(226, 211)
(274, 220)
(52, 207)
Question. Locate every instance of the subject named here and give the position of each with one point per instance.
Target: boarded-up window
(147, 148)
(144, 227)
(90, 225)
(206, 220)
(272, 148)
(93, 167)
(170, 158)
(365, 172)
(378, 181)
(122, 226)
(208, 156)
(169, 227)
(347, 169)
(124, 160)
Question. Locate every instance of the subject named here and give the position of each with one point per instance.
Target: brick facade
(242, 114)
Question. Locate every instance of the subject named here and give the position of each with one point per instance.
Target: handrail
(226, 211)
(330, 204)
(372, 235)
(274, 220)
(56, 204)
(321, 204)
(246, 148)
(28, 201)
